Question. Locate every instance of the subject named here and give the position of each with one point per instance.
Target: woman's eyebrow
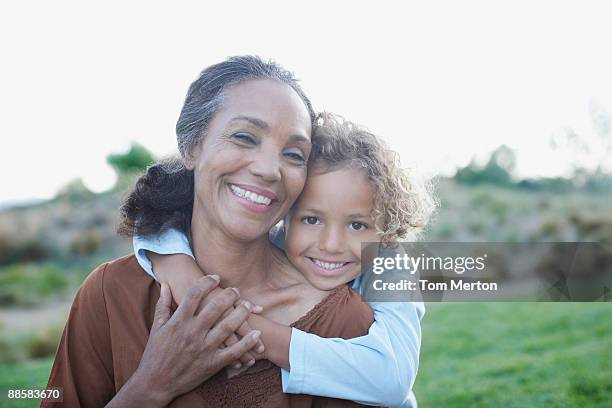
(253, 121)
(299, 139)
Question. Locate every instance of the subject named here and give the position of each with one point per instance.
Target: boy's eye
(358, 226)
(310, 220)
(244, 138)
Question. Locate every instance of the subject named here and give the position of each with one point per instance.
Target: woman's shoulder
(124, 271)
(343, 313)
(120, 283)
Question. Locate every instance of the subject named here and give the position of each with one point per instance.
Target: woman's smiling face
(251, 165)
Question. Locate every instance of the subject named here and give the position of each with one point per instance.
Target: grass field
(482, 355)
(516, 355)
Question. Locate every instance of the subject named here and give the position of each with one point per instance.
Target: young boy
(355, 192)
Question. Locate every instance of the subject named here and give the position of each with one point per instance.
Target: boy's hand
(181, 273)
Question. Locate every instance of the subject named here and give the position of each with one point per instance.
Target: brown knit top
(109, 325)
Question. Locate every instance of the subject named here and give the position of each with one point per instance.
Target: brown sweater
(109, 325)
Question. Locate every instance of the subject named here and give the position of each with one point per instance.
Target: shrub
(8, 354)
(29, 284)
(32, 250)
(75, 192)
(44, 342)
(85, 244)
(497, 171)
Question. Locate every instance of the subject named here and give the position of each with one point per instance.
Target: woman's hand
(181, 272)
(184, 349)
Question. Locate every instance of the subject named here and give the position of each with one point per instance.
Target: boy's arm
(175, 265)
(276, 337)
(379, 368)
(169, 242)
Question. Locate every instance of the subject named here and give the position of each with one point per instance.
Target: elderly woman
(245, 123)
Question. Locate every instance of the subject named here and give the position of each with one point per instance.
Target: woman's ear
(191, 157)
(189, 161)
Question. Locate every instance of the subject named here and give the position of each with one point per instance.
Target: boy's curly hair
(403, 203)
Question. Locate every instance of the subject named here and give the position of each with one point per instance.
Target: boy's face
(327, 225)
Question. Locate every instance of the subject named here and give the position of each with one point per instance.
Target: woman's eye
(295, 156)
(358, 226)
(311, 220)
(244, 138)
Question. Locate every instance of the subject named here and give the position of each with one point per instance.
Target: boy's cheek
(294, 241)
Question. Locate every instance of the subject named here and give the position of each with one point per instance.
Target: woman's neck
(240, 264)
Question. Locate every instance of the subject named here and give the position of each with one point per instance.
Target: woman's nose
(267, 166)
(330, 240)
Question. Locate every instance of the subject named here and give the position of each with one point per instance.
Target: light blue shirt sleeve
(169, 242)
(377, 369)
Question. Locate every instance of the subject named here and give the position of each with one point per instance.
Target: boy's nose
(330, 240)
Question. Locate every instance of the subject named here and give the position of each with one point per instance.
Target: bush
(32, 250)
(44, 342)
(75, 192)
(497, 171)
(29, 284)
(85, 244)
(28, 345)
(8, 353)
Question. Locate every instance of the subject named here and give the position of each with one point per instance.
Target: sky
(442, 82)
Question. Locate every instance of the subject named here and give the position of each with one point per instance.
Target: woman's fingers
(194, 296)
(233, 339)
(229, 354)
(214, 309)
(162, 308)
(223, 328)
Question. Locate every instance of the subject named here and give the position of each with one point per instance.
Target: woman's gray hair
(206, 94)
(163, 197)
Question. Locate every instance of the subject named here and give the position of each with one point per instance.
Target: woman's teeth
(327, 265)
(249, 195)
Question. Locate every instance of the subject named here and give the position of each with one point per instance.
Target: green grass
(516, 355)
(483, 355)
(32, 374)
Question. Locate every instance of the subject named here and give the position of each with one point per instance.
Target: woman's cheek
(295, 181)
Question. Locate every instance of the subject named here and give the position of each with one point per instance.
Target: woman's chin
(247, 229)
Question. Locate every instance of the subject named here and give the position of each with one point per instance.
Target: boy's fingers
(244, 330)
(245, 358)
(194, 296)
(232, 353)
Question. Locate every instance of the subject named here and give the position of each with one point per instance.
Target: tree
(497, 171)
(137, 159)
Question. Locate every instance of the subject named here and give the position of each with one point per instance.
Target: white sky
(443, 82)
